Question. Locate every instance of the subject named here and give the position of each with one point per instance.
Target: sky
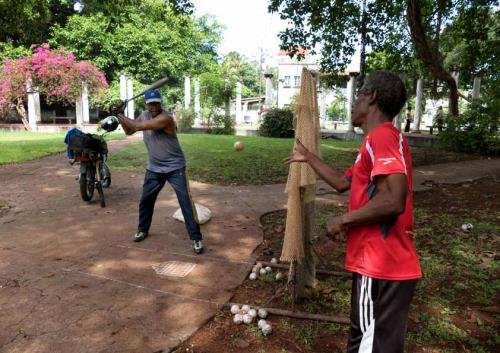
(248, 25)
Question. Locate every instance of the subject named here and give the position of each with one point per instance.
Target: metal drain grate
(173, 268)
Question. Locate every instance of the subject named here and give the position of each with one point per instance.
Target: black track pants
(379, 311)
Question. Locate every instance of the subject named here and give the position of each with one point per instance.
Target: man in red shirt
(379, 224)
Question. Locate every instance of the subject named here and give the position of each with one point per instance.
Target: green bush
(476, 130)
(277, 123)
(222, 125)
(185, 120)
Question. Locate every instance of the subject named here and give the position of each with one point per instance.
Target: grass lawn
(17, 147)
(212, 159)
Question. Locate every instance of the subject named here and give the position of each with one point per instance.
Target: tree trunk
(429, 57)
(22, 112)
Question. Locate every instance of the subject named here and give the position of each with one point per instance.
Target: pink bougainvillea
(56, 73)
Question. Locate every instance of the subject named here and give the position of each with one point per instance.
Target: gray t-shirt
(164, 151)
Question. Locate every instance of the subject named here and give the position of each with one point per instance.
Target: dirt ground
(479, 200)
(71, 280)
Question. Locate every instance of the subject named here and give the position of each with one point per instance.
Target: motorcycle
(91, 151)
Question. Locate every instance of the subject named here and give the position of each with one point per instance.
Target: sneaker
(197, 246)
(140, 236)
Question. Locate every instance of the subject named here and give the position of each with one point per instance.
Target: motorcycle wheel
(87, 181)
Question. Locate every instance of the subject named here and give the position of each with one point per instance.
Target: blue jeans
(153, 183)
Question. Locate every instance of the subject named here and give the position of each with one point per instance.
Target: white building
(289, 71)
(289, 76)
(250, 110)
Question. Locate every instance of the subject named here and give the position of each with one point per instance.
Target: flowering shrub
(57, 75)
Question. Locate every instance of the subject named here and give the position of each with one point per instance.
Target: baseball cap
(152, 95)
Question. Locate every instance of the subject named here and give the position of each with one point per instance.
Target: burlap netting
(301, 175)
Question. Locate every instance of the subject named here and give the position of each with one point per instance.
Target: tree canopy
(54, 73)
(151, 42)
(387, 27)
(25, 22)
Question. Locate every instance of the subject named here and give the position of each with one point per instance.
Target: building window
(297, 81)
(286, 82)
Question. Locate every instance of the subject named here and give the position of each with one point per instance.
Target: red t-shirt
(383, 251)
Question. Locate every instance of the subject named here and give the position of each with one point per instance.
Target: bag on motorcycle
(82, 143)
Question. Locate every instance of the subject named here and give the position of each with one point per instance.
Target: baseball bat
(161, 82)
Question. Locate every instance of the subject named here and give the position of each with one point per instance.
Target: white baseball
(245, 308)
(262, 271)
(261, 323)
(279, 276)
(234, 309)
(237, 319)
(253, 276)
(274, 260)
(269, 269)
(262, 313)
(267, 329)
(247, 319)
(252, 312)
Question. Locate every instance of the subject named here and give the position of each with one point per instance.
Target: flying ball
(238, 146)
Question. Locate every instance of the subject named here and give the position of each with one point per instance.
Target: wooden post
(305, 272)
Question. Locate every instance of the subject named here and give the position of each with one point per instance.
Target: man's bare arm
(127, 124)
(160, 122)
(390, 200)
(332, 177)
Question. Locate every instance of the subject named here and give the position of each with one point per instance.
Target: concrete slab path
(71, 279)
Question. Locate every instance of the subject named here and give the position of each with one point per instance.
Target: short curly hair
(391, 92)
